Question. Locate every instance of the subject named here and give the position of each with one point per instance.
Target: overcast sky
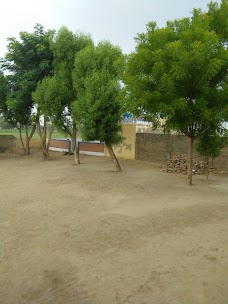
(116, 20)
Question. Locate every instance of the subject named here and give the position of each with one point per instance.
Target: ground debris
(179, 164)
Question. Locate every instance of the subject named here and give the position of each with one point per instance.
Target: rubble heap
(179, 164)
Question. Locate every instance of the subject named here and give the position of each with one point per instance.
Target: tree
(179, 73)
(3, 92)
(7, 118)
(96, 79)
(58, 91)
(43, 97)
(5, 124)
(209, 146)
(27, 61)
(3, 86)
(217, 15)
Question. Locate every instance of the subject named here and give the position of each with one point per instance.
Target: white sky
(116, 20)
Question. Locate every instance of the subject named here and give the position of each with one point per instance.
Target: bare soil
(88, 235)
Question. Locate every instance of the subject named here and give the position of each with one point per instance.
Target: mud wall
(159, 148)
(7, 141)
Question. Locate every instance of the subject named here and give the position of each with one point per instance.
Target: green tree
(5, 124)
(3, 92)
(217, 15)
(46, 91)
(209, 146)
(58, 91)
(179, 73)
(27, 61)
(97, 82)
(3, 86)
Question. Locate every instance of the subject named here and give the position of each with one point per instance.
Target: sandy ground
(88, 235)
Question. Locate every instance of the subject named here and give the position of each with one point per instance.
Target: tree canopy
(97, 82)
(28, 61)
(179, 73)
(3, 92)
(56, 94)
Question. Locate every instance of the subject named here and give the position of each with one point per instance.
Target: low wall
(7, 141)
(90, 148)
(60, 144)
(159, 148)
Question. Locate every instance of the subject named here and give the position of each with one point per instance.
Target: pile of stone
(179, 164)
(176, 164)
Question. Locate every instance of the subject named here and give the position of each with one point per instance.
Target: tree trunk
(21, 139)
(27, 148)
(44, 140)
(26, 145)
(43, 136)
(48, 143)
(190, 158)
(74, 145)
(28, 138)
(114, 158)
(32, 131)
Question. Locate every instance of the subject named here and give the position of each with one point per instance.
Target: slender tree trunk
(32, 131)
(27, 148)
(190, 158)
(45, 133)
(44, 139)
(43, 136)
(114, 158)
(48, 143)
(29, 137)
(74, 145)
(38, 129)
(21, 139)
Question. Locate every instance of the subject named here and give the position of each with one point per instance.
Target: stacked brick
(179, 164)
(176, 164)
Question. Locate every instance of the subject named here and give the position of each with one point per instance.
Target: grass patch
(55, 134)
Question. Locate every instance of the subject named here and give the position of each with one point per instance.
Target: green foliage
(50, 97)
(30, 56)
(96, 79)
(179, 73)
(54, 96)
(3, 93)
(3, 89)
(4, 124)
(99, 109)
(218, 19)
(209, 146)
(27, 61)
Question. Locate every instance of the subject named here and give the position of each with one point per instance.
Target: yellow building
(127, 148)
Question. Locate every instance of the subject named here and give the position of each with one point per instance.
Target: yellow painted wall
(127, 148)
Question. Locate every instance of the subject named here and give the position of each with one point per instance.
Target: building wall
(159, 148)
(154, 147)
(91, 148)
(127, 148)
(59, 144)
(221, 163)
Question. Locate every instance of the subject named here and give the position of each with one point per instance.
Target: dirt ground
(88, 235)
